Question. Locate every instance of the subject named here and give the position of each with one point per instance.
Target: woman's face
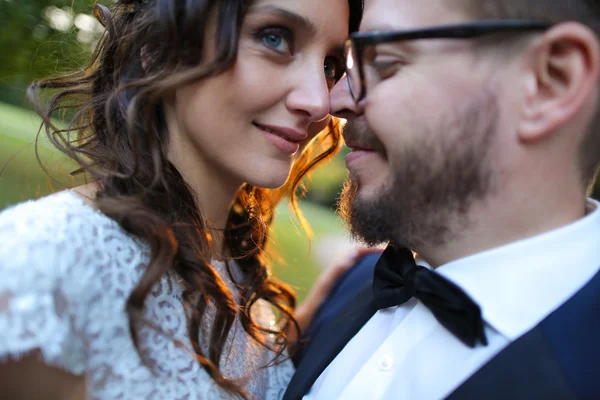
(249, 123)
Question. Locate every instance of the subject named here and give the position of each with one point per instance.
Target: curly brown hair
(118, 137)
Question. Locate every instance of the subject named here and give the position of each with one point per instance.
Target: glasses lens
(352, 72)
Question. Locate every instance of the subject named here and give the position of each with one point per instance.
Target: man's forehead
(383, 15)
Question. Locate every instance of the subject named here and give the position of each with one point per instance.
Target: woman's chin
(269, 182)
(265, 172)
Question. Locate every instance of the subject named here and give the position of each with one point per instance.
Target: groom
(475, 132)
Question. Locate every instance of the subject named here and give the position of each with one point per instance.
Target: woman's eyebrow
(299, 20)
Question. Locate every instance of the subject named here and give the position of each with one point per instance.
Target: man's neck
(491, 226)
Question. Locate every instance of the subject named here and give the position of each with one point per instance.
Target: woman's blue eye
(278, 40)
(273, 40)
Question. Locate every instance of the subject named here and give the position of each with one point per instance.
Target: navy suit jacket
(358, 277)
(557, 359)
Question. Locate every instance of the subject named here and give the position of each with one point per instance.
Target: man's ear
(563, 78)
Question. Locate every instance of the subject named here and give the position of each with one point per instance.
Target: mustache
(358, 133)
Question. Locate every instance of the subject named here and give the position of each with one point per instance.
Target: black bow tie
(398, 278)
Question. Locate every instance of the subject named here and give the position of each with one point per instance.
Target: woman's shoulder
(58, 233)
(63, 265)
(45, 222)
(44, 278)
(56, 210)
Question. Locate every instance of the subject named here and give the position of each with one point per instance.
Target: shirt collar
(519, 284)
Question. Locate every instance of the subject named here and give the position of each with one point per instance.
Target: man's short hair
(586, 12)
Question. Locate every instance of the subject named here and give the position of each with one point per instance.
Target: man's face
(430, 128)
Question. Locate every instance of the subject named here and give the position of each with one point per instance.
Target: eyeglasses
(363, 43)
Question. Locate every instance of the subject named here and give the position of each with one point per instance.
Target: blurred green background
(42, 38)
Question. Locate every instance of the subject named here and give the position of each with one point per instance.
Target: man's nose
(342, 104)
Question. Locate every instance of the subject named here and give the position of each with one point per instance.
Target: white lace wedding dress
(65, 273)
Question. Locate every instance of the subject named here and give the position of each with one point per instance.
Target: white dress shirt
(404, 353)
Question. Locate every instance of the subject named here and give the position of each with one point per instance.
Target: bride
(191, 122)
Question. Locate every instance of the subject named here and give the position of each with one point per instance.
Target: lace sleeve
(36, 312)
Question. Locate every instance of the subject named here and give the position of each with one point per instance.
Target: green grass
(22, 178)
(18, 123)
(297, 265)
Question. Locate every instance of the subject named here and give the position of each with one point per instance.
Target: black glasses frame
(356, 43)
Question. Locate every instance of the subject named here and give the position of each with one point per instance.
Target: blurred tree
(41, 38)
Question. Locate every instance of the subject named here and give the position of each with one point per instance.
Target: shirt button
(386, 362)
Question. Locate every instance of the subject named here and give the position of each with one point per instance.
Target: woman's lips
(279, 140)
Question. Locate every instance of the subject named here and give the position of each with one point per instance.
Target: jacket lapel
(526, 369)
(331, 340)
(531, 366)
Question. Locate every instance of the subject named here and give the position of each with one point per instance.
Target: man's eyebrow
(294, 18)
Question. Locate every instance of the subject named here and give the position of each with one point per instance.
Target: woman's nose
(310, 95)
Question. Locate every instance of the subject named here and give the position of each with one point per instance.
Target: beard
(433, 183)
